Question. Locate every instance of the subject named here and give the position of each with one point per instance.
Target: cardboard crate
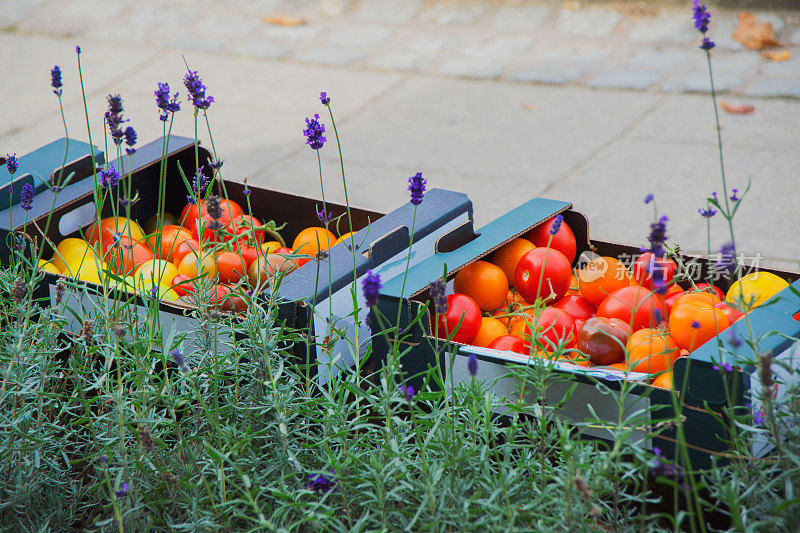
(387, 235)
(460, 248)
(64, 158)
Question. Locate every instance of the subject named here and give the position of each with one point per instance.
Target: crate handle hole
(77, 219)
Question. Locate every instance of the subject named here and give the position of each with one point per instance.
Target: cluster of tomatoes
(167, 256)
(526, 298)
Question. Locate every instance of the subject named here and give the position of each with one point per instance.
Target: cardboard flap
(490, 237)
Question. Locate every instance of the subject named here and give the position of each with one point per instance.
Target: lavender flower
(649, 198)
(55, 80)
(26, 197)
(324, 98)
(198, 186)
(438, 296)
(177, 356)
(733, 338)
(726, 257)
(407, 392)
(77, 49)
(114, 119)
(555, 227)
(726, 367)
(324, 218)
(416, 184)
(313, 132)
(123, 491)
(735, 195)
(695, 324)
(164, 103)
(372, 288)
(197, 90)
(472, 364)
(216, 164)
(12, 163)
(701, 16)
(707, 213)
(669, 470)
(130, 140)
(758, 418)
(321, 483)
(215, 212)
(657, 237)
(109, 178)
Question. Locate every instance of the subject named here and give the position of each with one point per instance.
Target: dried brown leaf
(776, 55)
(754, 35)
(285, 20)
(529, 106)
(734, 109)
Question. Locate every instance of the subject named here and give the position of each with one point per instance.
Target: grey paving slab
(689, 119)
(611, 186)
(523, 19)
(630, 78)
(357, 35)
(333, 56)
(668, 27)
(561, 64)
(453, 13)
(593, 22)
(484, 128)
(469, 67)
(262, 49)
(70, 18)
(775, 87)
(388, 10)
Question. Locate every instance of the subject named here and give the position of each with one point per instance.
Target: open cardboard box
(382, 239)
(464, 245)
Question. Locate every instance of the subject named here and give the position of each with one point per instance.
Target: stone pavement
(595, 103)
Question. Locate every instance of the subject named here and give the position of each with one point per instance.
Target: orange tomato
(483, 282)
(270, 247)
(102, 236)
(491, 328)
(698, 299)
(312, 240)
(195, 264)
(171, 237)
(692, 326)
(602, 276)
(507, 257)
(650, 350)
(663, 381)
(230, 267)
(574, 287)
(124, 257)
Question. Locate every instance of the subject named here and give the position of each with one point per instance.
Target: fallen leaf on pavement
(754, 35)
(284, 20)
(776, 55)
(742, 109)
(529, 106)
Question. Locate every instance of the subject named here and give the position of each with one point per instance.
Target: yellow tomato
(344, 237)
(90, 271)
(48, 266)
(69, 251)
(157, 269)
(754, 289)
(145, 286)
(270, 247)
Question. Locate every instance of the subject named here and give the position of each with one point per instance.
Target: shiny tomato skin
(636, 306)
(182, 285)
(732, 313)
(563, 240)
(670, 300)
(536, 268)
(577, 307)
(647, 264)
(510, 343)
(603, 340)
(458, 306)
(554, 327)
(716, 290)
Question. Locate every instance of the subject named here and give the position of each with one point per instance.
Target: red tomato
(191, 212)
(636, 306)
(670, 300)
(577, 307)
(217, 295)
(563, 241)
(247, 253)
(183, 249)
(458, 306)
(244, 223)
(716, 290)
(534, 272)
(510, 343)
(283, 250)
(182, 285)
(730, 312)
(554, 325)
(649, 268)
